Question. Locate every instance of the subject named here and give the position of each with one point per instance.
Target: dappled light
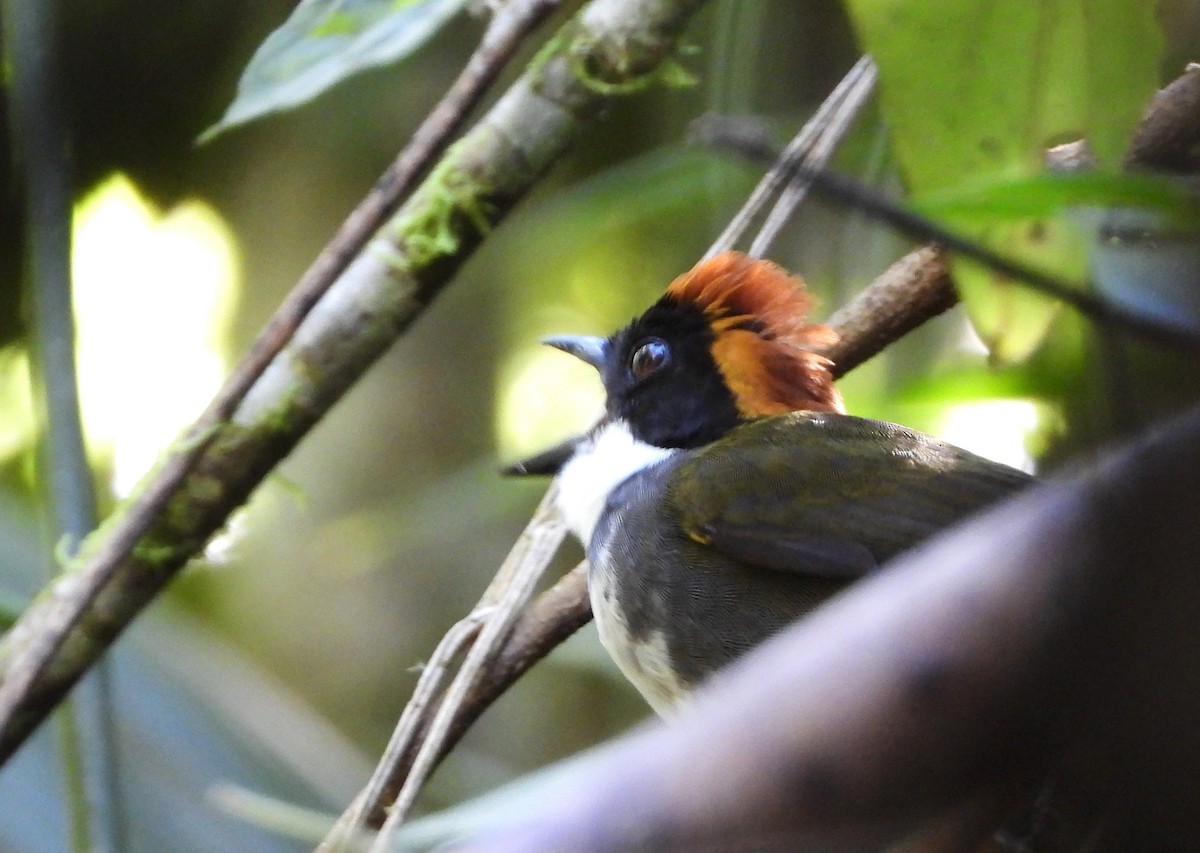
(154, 296)
(16, 406)
(543, 397)
(995, 429)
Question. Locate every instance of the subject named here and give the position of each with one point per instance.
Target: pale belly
(646, 661)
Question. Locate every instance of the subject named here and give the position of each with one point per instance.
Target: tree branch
(1169, 132)
(613, 47)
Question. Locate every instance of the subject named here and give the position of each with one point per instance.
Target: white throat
(601, 463)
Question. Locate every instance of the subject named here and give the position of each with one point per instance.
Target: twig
(88, 733)
(852, 93)
(417, 736)
(853, 194)
(828, 123)
(613, 48)
(499, 609)
(914, 289)
(347, 832)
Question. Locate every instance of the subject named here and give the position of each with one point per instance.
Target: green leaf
(976, 90)
(323, 43)
(993, 199)
(1010, 319)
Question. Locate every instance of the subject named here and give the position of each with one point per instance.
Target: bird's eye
(649, 357)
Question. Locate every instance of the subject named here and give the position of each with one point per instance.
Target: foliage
(405, 517)
(976, 91)
(324, 42)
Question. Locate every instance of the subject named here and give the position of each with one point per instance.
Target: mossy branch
(130, 559)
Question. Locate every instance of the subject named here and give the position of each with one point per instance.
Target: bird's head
(728, 342)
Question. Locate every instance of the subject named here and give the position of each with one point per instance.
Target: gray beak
(591, 349)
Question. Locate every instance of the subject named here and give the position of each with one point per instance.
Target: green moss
(91, 544)
(160, 557)
(186, 511)
(280, 419)
(450, 197)
(559, 43)
(670, 72)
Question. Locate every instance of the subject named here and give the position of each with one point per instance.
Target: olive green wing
(829, 495)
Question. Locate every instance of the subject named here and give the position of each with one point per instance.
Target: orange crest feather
(763, 341)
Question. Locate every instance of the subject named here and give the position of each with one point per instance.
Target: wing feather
(830, 495)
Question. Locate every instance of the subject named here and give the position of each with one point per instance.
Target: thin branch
(1079, 295)
(511, 590)
(853, 93)
(88, 733)
(503, 36)
(427, 721)
(554, 616)
(611, 49)
(914, 289)
(823, 130)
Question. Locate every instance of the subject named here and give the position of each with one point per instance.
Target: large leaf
(323, 43)
(973, 89)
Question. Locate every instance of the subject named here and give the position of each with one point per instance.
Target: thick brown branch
(1168, 136)
(914, 289)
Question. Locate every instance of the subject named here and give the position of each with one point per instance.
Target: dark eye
(649, 357)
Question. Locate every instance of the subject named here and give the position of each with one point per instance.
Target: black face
(661, 378)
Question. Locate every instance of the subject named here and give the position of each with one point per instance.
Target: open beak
(591, 349)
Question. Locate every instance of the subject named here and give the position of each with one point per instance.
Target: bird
(725, 492)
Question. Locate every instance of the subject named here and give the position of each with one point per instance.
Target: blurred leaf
(1010, 319)
(977, 90)
(971, 88)
(994, 199)
(271, 813)
(1149, 265)
(323, 43)
(973, 382)
(967, 384)
(192, 713)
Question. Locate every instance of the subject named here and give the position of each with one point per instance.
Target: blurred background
(278, 663)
